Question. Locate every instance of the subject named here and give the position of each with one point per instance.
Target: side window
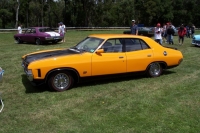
(33, 31)
(135, 44)
(28, 31)
(112, 46)
(144, 45)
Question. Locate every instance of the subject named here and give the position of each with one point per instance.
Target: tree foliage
(98, 13)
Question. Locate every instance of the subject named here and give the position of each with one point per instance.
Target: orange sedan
(99, 55)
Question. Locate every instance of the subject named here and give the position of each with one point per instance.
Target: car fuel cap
(165, 53)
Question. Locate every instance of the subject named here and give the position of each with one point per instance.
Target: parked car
(145, 31)
(99, 55)
(38, 35)
(196, 40)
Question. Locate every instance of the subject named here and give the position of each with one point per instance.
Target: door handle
(121, 56)
(149, 55)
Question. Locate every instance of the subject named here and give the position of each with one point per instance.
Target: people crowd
(165, 33)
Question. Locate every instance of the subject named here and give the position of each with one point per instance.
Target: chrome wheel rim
(155, 69)
(61, 81)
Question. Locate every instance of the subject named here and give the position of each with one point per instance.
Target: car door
(112, 61)
(26, 37)
(23, 36)
(139, 55)
(32, 35)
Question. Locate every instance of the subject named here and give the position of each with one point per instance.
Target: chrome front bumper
(28, 74)
(195, 42)
(54, 38)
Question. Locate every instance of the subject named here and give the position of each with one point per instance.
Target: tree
(17, 12)
(100, 13)
(5, 13)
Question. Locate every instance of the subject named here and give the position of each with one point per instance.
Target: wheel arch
(16, 37)
(163, 64)
(74, 73)
(37, 37)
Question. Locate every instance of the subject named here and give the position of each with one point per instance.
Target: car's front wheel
(155, 69)
(55, 41)
(60, 81)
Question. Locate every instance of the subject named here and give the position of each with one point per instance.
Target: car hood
(196, 37)
(47, 54)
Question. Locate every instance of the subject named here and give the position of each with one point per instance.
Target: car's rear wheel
(60, 81)
(155, 69)
(37, 41)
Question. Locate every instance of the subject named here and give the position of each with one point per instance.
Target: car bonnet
(37, 56)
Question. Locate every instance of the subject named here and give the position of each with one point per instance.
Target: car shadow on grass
(33, 89)
(195, 46)
(88, 81)
(106, 80)
(43, 44)
(113, 79)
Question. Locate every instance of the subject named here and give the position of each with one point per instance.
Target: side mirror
(99, 51)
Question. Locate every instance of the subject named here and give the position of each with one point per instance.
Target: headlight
(48, 38)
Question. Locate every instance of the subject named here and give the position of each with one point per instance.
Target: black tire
(37, 41)
(155, 69)
(18, 40)
(60, 81)
(55, 41)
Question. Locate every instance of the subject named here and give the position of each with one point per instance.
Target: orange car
(98, 55)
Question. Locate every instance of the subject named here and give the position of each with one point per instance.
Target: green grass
(167, 104)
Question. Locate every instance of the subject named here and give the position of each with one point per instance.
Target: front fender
(73, 72)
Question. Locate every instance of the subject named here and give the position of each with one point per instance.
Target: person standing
(181, 33)
(60, 29)
(157, 34)
(134, 28)
(63, 31)
(164, 34)
(19, 29)
(188, 31)
(167, 27)
(170, 33)
(192, 30)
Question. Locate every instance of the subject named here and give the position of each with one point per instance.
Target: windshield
(90, 44)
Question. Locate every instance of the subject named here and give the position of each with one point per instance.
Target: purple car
(38, 35)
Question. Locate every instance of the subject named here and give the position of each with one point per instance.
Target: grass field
(167, 104)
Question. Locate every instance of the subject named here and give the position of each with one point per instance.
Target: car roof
(107, 36)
